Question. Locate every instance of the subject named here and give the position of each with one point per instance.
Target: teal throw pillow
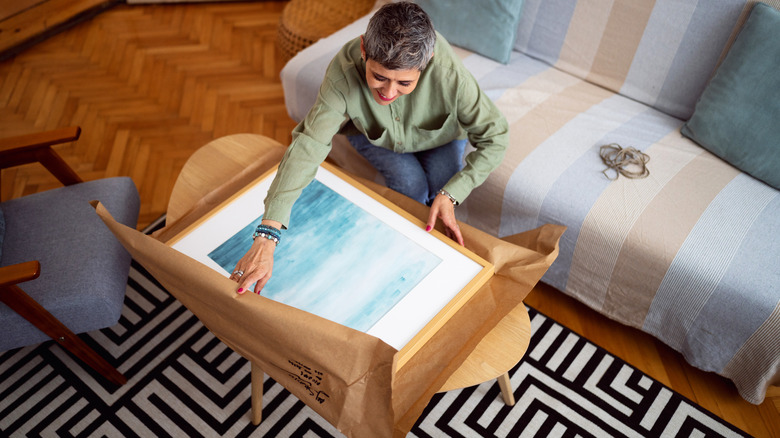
(737, 116)
(487, 27)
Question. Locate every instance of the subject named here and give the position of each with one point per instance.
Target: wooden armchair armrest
(19, 273)
(25, 149)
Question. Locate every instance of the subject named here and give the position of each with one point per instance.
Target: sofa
(689, 253)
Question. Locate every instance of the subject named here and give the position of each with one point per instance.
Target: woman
(407, 104)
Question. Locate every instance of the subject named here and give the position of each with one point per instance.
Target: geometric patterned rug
(183, 382)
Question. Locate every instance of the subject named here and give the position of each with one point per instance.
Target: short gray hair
(400, 36)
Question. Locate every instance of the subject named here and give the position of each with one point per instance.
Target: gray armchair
(61, 270)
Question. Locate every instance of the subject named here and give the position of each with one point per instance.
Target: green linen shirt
(446, 104)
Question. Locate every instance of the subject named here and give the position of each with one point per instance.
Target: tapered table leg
(506, 389)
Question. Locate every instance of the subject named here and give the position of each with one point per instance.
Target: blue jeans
(418, 175)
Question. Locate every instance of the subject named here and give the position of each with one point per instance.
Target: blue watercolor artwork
(337, 260)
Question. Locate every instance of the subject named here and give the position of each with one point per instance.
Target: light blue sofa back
(661, 53)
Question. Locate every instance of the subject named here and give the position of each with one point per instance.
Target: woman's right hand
(257, 264)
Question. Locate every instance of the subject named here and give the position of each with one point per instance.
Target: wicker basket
(304, 22)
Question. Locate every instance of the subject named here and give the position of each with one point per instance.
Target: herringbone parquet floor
(148, 85)
(151, 84)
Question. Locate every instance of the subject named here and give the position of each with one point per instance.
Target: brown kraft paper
(520, 261)
(345, 375)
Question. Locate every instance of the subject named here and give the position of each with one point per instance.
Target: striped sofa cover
(690, 254)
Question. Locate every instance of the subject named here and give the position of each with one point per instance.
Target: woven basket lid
(303, 22)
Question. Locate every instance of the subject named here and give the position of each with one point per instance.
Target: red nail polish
(240, 289)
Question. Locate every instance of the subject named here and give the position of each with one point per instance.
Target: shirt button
(397, 119)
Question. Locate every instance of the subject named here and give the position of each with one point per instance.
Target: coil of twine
(628, 162)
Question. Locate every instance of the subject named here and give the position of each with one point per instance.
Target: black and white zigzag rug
(183, 382)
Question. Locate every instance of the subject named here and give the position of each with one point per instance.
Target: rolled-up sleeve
(311, 143)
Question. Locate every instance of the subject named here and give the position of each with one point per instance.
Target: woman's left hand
(443, 209)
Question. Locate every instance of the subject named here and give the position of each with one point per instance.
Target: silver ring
(238, 272)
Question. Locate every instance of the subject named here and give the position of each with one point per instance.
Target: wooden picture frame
(349, 256)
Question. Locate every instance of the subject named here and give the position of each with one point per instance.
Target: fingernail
(428, 228)
(240, 290)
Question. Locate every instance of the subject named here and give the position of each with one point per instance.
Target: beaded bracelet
(269, 228)
(268, 232)
(447, 194)
(267, 236)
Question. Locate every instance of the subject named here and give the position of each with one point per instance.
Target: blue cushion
(488, 27)
(738, 115)
(83, 266)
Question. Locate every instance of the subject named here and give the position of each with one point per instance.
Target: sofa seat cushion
(738, 116)
(671, 254)
(77, 252)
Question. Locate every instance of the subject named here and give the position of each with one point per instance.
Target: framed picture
(349, 256)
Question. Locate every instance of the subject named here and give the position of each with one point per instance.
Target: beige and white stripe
(615, 213)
